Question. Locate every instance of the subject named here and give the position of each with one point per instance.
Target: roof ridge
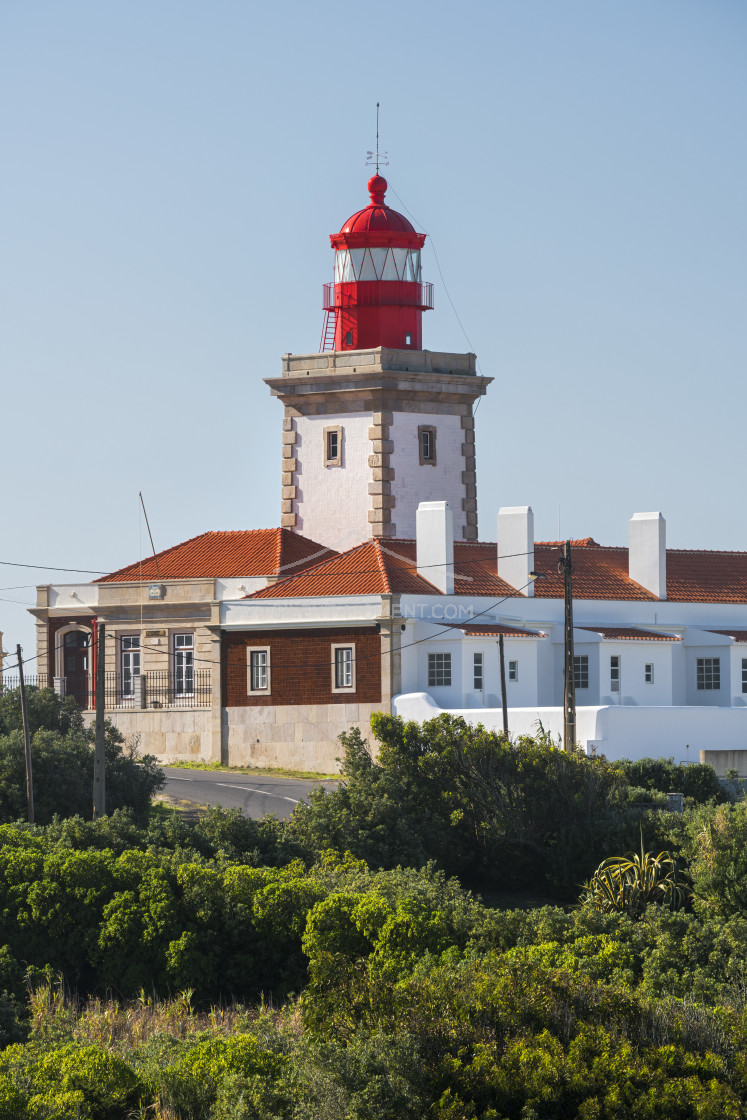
(381, 565)
(153, 556)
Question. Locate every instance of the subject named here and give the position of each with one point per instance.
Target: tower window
(349, 338)
(333, 447)
(408, 340)
(427, 444)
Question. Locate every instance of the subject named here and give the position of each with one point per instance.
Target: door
(75, 650)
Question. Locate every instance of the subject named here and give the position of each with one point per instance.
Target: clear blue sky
(171, 171)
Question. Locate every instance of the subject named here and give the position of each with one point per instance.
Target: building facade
(376, 593)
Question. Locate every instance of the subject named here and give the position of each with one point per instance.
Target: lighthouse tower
(378, 297)
(374, 424)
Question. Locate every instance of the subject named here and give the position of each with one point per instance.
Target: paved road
(254, 795)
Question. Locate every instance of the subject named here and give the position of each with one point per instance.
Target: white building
(376, 592)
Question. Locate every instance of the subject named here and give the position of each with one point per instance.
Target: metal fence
(159, 689)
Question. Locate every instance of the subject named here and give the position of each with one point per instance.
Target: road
(254, 795)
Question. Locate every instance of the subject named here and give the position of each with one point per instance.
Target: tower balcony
(378, 293)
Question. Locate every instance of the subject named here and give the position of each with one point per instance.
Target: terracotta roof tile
(630, 634)
(483, 630)
(599, 572)
(372, 568)
(737, 635)
(227, 555)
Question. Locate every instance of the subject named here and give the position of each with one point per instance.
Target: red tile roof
(737, 635)
(599, 572)
(227, 555)
(481, 630)
(381, 567)
(630, 634)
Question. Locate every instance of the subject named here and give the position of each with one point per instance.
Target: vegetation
(337, 967)
(270, 771)
(62, 761)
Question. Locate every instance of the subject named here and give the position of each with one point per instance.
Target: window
(513, 670)
(343, 668)
(477, 666)
(333, 447)
(408, 340)
(439, 670)
(184, 664)
(427, 444)
(258, 669)
(614, 674)
(744, 674)
(709, 674)
(581, 671)
(349, 338)
(648, 672)
(130, 654)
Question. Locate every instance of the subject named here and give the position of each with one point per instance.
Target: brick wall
(301, 666)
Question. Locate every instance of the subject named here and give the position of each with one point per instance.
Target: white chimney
(434, 531)
(516, 547)
(647, 552)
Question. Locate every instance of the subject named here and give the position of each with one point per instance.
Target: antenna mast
(377, 157)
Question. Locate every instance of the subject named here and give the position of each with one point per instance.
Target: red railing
(378, 293)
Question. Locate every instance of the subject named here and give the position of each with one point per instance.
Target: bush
(696, 780)
(508, 815)
(62, 759)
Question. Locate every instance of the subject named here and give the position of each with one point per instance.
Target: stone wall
(172, 734)
(303, 738)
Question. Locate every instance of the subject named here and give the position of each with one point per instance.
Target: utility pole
(26, 739)
(569, 669)
(99, 753)
(503, 684)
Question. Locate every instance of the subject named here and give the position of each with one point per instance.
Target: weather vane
(377, 157)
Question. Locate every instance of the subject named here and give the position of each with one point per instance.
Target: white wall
(634, 656)
(617, 732)
(738, 652)
(414, 483)
(332, 503)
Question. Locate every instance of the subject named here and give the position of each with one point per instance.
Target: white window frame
(615, 672)
(478, 671)
(350, 665)
(707, 670)
(581, 670)
(267, 689)
(176, 650)
(124, 657)
(513, 671)
(444, 667)
(648, 673)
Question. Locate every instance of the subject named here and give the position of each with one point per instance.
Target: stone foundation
(302, 738)
(180, 735)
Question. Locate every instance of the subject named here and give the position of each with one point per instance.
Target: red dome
(377, 219)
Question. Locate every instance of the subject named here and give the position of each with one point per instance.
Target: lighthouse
(378, 297)
(374, 424)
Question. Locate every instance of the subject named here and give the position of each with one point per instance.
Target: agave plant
(628, 884)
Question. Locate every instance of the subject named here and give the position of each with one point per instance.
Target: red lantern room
(378, 297)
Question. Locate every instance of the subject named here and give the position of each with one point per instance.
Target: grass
(259, 771)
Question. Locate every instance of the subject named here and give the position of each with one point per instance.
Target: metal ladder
(328, 332)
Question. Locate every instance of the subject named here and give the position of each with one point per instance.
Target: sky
(172, 170)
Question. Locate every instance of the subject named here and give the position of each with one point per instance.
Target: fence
(189, 689)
